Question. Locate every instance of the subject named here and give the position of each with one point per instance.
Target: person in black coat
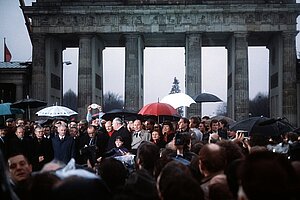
(63, 145)
(19, 143)
(42, 149)
(120, 130)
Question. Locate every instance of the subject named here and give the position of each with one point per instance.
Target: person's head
(20, 132)
(183, 124)
(62, 130)
(183, 141)
(72, 124)
(19, 167)
(47, 130)
(2, 131)
(117, 123)
(113, 172)
(137, 125)
(175, 181)
(212, 159)
(156, 135)
(147, 155)
(214, 125)
(82, 124)
(20, 122)
(149, 125)
(202, 127)
(223, 123)
(167, 127)
(130, 126)
(73, 131)
(39, 132)
(194, 122)
(119, 141)
(96, 122)
(91, 130)
(108, 126)
(205, 118)
(10, 122)
(268, 175)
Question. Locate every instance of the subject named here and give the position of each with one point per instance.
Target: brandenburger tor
(93, 25)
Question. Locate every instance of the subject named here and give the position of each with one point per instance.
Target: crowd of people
(195, 158)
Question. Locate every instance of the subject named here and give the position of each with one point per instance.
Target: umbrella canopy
(122, 113)
(6, 109)
(56, 111)
(261, 126)
(28, 103)
(158, 109)
(177, 100)
(228, 119)
(206, 97)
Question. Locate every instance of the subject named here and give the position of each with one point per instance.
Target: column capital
(290, 33)
(243, 34)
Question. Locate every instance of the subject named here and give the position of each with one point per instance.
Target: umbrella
(56, 111)
(6, 109)
(158, 109)
(219, 117)
(206, 97)
(122, 113)
(28, 103)
(177, 100)
(261, 126)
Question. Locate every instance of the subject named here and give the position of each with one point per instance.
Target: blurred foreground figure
(268, 175)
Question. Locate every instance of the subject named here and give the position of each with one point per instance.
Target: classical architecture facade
(92, 25)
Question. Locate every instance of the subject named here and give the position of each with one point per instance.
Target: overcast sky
(161, 65)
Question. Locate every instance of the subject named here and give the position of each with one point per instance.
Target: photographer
(182, 142)
(91, 149)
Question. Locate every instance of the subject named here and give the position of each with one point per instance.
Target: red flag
(7, 54)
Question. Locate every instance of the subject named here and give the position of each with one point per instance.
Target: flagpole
(4, 50)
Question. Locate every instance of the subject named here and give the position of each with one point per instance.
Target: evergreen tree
(175, 89)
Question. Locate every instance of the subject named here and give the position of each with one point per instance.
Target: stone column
(193, 71)
(84, 76)
(134, 72)
(289, 90)
(238, 83)
(97, 70)
(38, 86)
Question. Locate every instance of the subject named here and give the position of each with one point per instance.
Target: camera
(245, 133)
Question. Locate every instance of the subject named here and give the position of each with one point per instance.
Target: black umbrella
(28, 103)
(262, 126)
(122, 113)
(206, 97)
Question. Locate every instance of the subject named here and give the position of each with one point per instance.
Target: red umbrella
(158, 109)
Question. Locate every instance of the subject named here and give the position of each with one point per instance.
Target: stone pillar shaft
(134, 72)
(38, 89)
(84, 76)
(193, 71)
(238, 83)
(289, 93)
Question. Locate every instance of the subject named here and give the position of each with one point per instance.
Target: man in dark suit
(42, 149)
(3, 142)
(120, 130)
(20, 143)
(63, 145)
